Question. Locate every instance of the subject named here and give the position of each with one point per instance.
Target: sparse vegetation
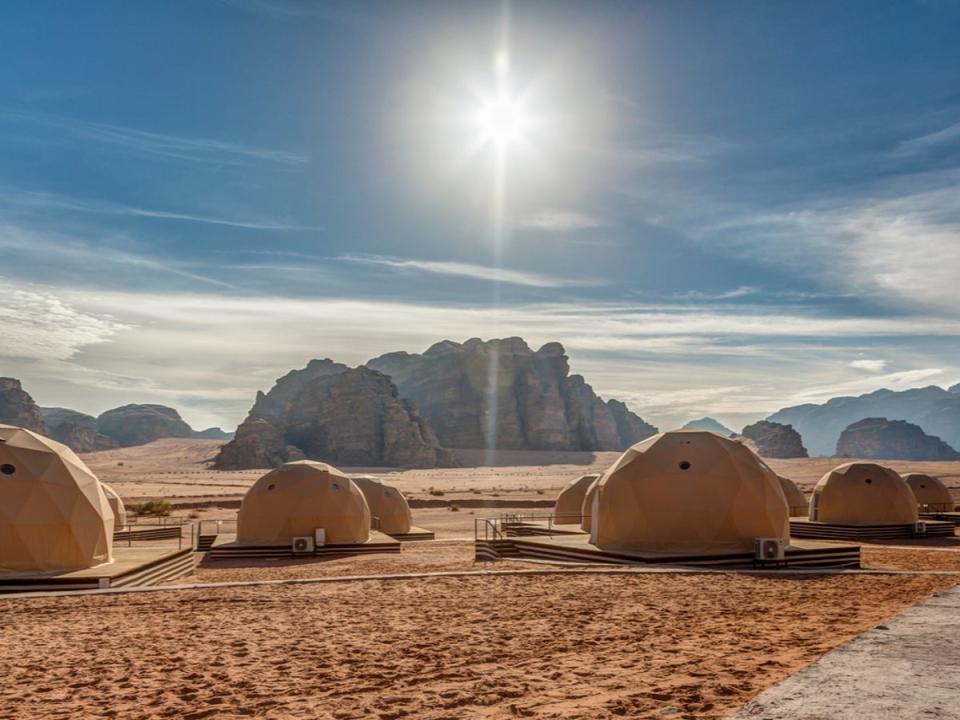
(157, 508)
(436, 493)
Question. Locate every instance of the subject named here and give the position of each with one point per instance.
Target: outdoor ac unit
(319, 537)
(302, 545)
(770, 549)
(920, 528)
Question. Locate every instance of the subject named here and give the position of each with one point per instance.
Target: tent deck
(131, 566)
(577, 548)
(803, 528)
(376, 543)
(415, 534)
(951, 517)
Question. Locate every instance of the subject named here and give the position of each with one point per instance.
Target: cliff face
(774, 440)
(934, 409)
(502, 393)
(882, 439)
(140, 424)
(76, 430)
(18, 408)
(345, 416)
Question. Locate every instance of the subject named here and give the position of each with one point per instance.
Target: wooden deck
(803, 528)
(376, 543)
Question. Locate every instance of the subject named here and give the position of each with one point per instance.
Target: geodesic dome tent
(117, 506)
(796, 500)
(298, 498)
(586, 508)
(54, 514)
(387, 504)
(688, 491)
(862, 493)
(569, 506)
(932, 495)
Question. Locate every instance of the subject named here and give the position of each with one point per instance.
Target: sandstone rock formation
(76, 430)
(708, 423)
(774, 440)
(18, 408)
(140, 424)
(934, 409)
(882, 439)
(330, 412)
(502, 393)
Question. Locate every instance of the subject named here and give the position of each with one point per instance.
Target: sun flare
(502, 121)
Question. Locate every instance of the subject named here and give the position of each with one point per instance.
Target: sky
(717, 208)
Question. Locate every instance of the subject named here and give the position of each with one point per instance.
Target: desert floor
(573, 645)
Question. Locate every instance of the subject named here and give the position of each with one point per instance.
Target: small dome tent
(387, 504)
(117, 506)
(688, 491)
(862, 493)
(796, 500)
(931, 494)
(586, 509)
(569, 505)
(296, 499)
(54, 514)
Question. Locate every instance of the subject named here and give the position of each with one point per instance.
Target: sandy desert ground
(692, 646)
(575, 645)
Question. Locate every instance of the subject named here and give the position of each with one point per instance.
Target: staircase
(205, 542)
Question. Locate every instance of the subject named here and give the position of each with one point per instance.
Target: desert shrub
(158, 508)
(437, 493)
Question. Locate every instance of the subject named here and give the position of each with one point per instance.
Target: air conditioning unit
(319, 537)
(302, 545)
(920, 528)
(770, 549)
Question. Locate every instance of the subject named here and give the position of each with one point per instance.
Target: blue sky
(718, 208)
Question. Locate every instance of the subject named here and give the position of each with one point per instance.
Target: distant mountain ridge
(538, 404)
(882, 439)
(708, 423)
(935, 410)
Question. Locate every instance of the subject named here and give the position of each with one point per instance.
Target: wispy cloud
(29, 199)
(204, 150)
(869, 365)
(468, 270)
(561, 221)
(930, 141)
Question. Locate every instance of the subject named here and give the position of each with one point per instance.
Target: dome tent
(862, 493)
(688, 491)
(54, 514)
(796, 500)
(387, 504)
(117, 506)
(299, 497)
(931, 494)
(569, 505)
(586, 509)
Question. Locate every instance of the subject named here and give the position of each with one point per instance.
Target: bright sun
(502, 121)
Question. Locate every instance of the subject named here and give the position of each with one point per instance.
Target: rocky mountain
(76, 430)
(328, 411)
(18, 408)
(708, 423)
(501, 392)
(882, 439)
(934, 409)
(774, 440)
(213, 433)
(140, 424)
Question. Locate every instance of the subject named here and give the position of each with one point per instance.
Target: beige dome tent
(53, 513)
(569, 505)
(796, 500)
(296, 499)
(387, 504)
(931, 494)
(862, 493)
(117, 506)
(688, 491)
(586, 509)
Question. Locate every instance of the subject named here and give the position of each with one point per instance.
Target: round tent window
(922, 487)
(684, 465)
(868, 481)
(271, 486)
(7, 469)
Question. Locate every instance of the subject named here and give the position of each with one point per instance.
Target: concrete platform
(803, 528)
(131, 566)
(376, 543)
(907, 668)
(577, 548)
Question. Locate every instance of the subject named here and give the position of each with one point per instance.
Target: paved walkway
(908, 668)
